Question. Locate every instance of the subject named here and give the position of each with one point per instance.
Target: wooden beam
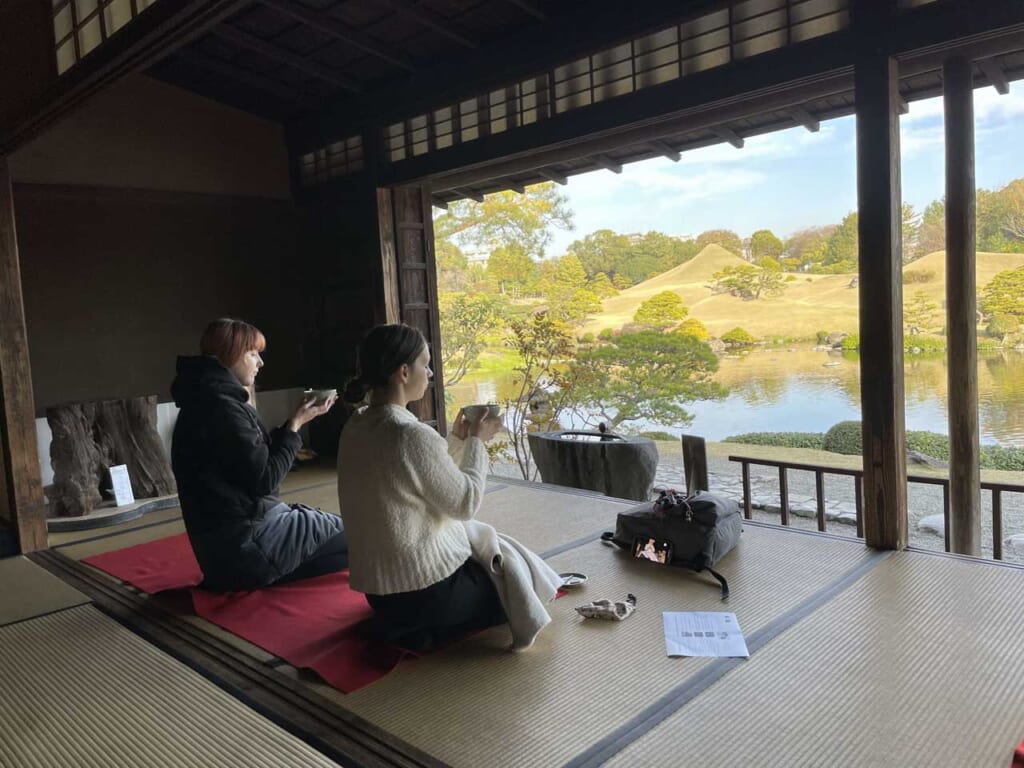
(996, 77)
(153, 35)
(559, 178)
(331, 26)
(527, 52)
(530, 8)
(22, 502)
(881, 292)
(537, 146)
(517, 187)
(802, 117)
(439, 203)
(430, 20)
(608, 164)
(246, 77)
(310, 67)
(902, 104)
(961, 308)
(666, 150)
(470, 193)
(729, 135)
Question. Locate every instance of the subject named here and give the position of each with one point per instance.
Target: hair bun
(355, 390)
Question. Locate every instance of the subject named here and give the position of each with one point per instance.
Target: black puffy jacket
(229, 468)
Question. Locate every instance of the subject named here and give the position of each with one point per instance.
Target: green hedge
(845, 437)
(780, 439)
(738, 337)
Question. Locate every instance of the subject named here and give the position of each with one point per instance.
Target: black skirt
(431, 617)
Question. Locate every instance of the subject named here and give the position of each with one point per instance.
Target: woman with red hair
(229, 468)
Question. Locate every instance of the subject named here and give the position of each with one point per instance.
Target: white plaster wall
(274, 408)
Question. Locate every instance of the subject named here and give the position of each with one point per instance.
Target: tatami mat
(26, 590)
(79, 690)
(543, 519)
(917, 664)
(477, 704)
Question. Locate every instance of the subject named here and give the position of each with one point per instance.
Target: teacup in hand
(319, 395)
(473, 412)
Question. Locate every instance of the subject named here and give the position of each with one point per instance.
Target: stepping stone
(932, 524)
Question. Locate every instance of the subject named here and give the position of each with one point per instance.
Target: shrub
(851, 341)
(587, 338)
(1002, 324)
(779, 439)
(822, 337)
(739, 337)
(924, 343)
(987, 345)
(929, 443)
(1000, 457)
(691, 326)
(606, 335)
(658, 435)
(844, 437)
(918, 276)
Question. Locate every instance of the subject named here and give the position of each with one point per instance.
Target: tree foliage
(506, 218)
(764, 244)
(806, 247)
(840, 253)
(646, 375)
(544, 383)
(738, 337)
(751, 282)
(1004, 295)
(662, 310)
(570, 298)
(723, 237)
(465, 322)
(918, 314)
(630, 259)
(931, 233)
(511, 270)
(691, 326)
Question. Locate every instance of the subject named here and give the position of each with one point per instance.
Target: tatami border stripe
(596, 536)
(688, 690)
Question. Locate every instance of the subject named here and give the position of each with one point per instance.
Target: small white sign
(122, 485)
(703, 633)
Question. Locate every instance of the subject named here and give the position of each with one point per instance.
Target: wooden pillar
(22, 502)
(881, 292)
(961, 307)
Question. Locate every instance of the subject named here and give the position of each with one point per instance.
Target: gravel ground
(924, 502)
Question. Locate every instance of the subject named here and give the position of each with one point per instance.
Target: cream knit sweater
(403, 491)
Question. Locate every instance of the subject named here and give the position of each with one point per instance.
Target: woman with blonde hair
(229, 468)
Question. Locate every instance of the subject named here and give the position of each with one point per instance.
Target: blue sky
(790, 179)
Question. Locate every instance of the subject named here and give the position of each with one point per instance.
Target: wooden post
(22, 502)
(881, 292)
(961, 307)
(695, 463)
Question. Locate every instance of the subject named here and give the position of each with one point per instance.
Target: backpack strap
(721, 580)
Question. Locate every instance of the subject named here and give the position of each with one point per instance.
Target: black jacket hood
(202, 376)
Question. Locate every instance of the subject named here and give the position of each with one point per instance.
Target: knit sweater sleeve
(450, 488)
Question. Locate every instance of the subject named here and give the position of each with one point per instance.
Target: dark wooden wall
(118, 282)
(341, 247)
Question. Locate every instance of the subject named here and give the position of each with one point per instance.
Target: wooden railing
(996, 489)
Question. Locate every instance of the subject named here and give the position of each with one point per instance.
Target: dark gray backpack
(698, 530)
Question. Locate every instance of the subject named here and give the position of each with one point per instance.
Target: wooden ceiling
(284, 59)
